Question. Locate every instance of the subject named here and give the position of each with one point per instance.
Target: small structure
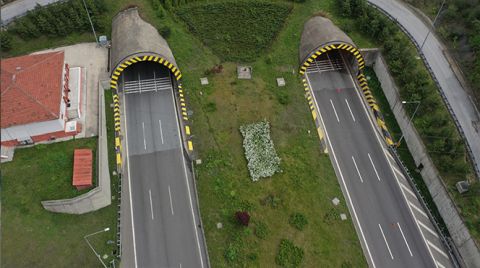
(204, 81)
(335, 201)
(343, 216)
(281, 82)
(37, 97)
(244, 72)
(82, 169)
(462, 186)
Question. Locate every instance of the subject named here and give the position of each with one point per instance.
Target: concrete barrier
(100, 196)
(460, 235)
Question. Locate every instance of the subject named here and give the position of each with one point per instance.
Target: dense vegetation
(59, 19)
(235, 31)
(432, 120)
(459, 24)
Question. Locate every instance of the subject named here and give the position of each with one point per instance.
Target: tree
(5, 41)
(242, 217)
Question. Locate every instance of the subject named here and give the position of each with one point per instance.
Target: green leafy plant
(298, 220)
(288, 254)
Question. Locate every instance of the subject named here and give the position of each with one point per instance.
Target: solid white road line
(427, 228)
(343, 180)
(129, 183)
(371, 161)
(384, 152)
(437, 249)
(385, 239)
(151, 203)
(188, 185)
(161, 131)
(408, 190)
(144, 141)
(171, 203)
(440, 265)
(418, 209)
(356, 167)
(404, 239)
(351, 113)
(336, 115)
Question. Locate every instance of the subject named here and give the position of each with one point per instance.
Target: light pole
(88, 242)
(411, 118)
(89, 19)
(433, 25)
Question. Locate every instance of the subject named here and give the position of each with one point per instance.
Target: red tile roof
(31, 88)
(82, 168)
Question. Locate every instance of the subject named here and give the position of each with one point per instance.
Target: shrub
(242, 217)
(211, 107)
(5, 41)
(231, 253)
(298, 221)
(164, 31)
(288, 254)
(259, 150)
(261, 230)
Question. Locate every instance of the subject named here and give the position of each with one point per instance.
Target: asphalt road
(20, 8)
(165, 213)
(458, 98)
(388, 231)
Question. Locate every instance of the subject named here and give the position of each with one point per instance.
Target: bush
(231, 253)
(289, 255)
(259, 150)
(5, 41)
(261, 230)
(298, 221)
(164, 31)
(242, 217)
(210, 107)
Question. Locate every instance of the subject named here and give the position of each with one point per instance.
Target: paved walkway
(458, 99)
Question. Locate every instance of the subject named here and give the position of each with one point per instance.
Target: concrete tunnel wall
(135, 40)
(319, 36)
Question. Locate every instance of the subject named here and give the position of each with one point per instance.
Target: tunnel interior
(145, 76)
(334, 60)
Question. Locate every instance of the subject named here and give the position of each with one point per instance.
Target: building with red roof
(34, 99)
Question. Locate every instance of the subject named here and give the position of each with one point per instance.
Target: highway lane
(433, 49)
(389, 234)
(165, 221)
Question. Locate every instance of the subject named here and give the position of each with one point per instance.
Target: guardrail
(446, 240)
(444, 98)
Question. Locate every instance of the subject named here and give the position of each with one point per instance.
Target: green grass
(235, 31)
(307, 183)
(34, 237)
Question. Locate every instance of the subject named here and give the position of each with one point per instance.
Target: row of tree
(433, 121)
(59, 19)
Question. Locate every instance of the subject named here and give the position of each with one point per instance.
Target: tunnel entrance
(320, 39)
(145, 77)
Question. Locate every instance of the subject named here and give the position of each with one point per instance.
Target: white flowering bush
(262, 158)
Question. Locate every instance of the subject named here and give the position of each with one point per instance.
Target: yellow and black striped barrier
(376, 110)
(155, 58)
(309, 97)
(326, 48)
(184, 115)
(116, 119)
